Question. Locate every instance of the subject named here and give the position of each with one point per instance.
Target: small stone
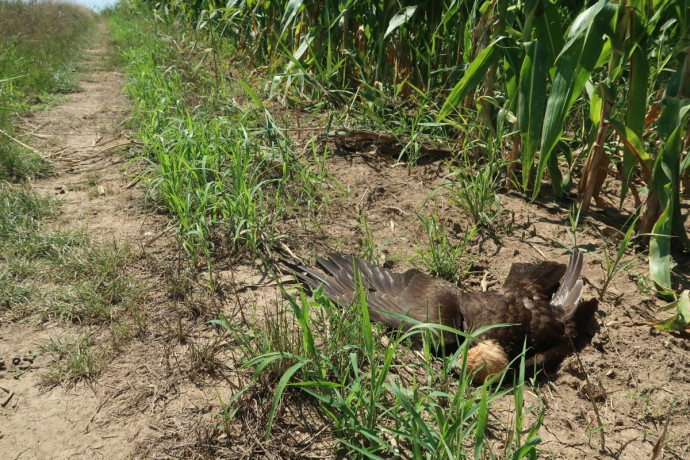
(610, 374)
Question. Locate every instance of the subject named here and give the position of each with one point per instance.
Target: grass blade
(279, 392)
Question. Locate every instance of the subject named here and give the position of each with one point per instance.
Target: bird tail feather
(578, 315)
(570, 291)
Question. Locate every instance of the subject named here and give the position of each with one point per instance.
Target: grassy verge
(39, 44)
(220, 165)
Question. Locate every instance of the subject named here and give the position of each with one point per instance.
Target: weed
(92, 179)
(441, 257)
(643, 396)
(88, 280)
(370, 252)
(644, 287)
(178, 280)
(278, 333)
(120, 333)
(306, 193)
(20, 213)
(13, 295)
(98, 288)
(203, 356)
(382, 399)
(18, 163)
(574, 219)
(613, 261)
(75, 361)
(474, 189)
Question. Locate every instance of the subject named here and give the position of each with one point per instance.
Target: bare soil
(155, 397)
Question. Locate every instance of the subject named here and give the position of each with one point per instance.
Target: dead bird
(548, 315)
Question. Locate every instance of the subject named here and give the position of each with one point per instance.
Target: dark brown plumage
(550, 316)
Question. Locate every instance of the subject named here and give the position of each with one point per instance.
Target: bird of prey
(550, 317)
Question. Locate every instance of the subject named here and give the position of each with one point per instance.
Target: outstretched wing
(410, 294)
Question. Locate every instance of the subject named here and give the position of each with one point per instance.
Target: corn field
(573, 95)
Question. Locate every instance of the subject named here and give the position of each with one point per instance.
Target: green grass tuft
(75, 360)
(382, 398)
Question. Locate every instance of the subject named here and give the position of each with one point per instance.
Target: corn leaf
(548, 30)
(681, 319)
(635, 113)
(474, 74)
(665, 179)
(671, 103)
(513, 58)
(532, 103)
(660, 252)
(573, 67)
(634, 145)
(595, 105)
(400, 19)
(291, 10)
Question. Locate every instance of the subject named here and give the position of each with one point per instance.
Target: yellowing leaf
(681, 320)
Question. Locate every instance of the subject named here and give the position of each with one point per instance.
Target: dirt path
(83, 138)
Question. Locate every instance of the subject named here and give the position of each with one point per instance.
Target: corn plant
(475, 192)
(616, 54)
